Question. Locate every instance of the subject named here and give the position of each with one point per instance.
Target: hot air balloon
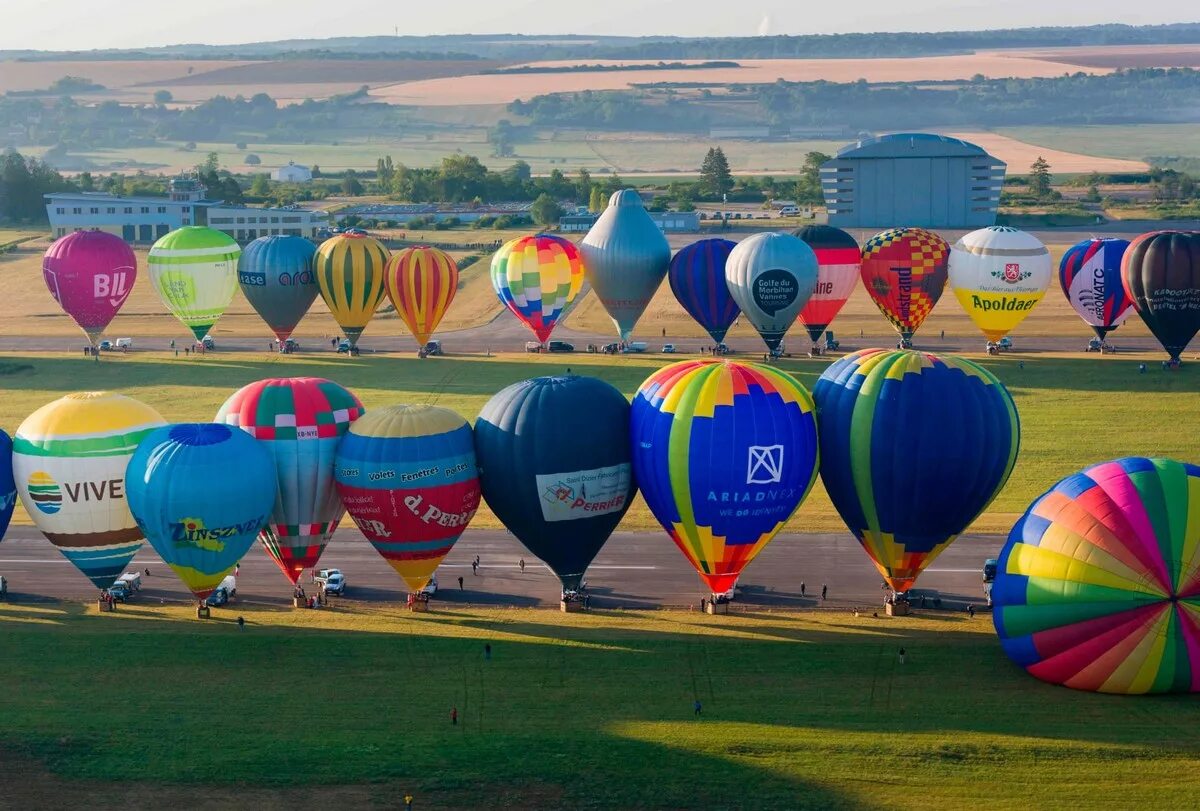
(1090, 276)
(1161, 274)
(1098, 587)
(200, 493)
(697, 277)
(839, 263)
(537, 278)
(276, 276)
(625, 257)
(905, 271)
(421, 282)
(999, 274)
(350, 274)
(90, 274)
(300, 421)
(724, 453)
(913, 448)
(408, 478)
(69, 461)
(8, 485)
(771, 277)
(194, 270)
(554, 467)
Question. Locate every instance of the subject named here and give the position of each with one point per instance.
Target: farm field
(1116, 141)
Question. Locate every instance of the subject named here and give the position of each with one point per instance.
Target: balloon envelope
(999, 274)
(1090, 277)
(554, 466)
(200, 493)
(537, 278)
(421, 282)
(904, 271)
(1161, 274)
(771, 277)
(194, 271)
(350, 275)
(300, 421)
(913, 448)
(697, 278)
(90, 274)
(408, 478)
(8, 485)
(839, 262)
(276, 276)
(724, 453)
(1098, 587)
(69, 460)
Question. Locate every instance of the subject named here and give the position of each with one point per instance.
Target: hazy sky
(82, 24)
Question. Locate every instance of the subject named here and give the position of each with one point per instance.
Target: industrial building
(292, 173)
(669, 222)
(912, 179)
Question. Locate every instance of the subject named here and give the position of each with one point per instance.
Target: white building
(292, 173)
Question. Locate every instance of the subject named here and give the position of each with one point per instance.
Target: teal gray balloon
(276, 276)
(771, 277)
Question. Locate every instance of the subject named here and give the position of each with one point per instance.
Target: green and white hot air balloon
(194, 270)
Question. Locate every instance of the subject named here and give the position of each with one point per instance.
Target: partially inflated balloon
(90, 274)
(697, 277)
(1098, 587)
(69, 461)
(408, 478)
(999, 274)
(350, 275)
(724, 453)
(200, 493)
(913, 448)
(771, 277)
(839, 263)
(904, 271)
(1090, 277)
(8, 485)
(276, 276)
(1161, 274)
(537, 278)
(194, 270)
(300, 421)
(421, 282)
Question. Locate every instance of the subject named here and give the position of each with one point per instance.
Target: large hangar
(912, 179)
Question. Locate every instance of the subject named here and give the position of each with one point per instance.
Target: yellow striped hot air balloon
(350, 274)
(421, 283)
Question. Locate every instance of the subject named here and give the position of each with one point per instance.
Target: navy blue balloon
(276, 275)
(697, 278)
(8, 486)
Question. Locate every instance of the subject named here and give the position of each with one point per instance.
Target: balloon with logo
(90, 274)
(904, 271)
(537, 278)
(554, 466)
(350, 275)
(408, 478)
(8, 485)
(300, 421)
(1161, 275)
(1090, 277)
(421, 282)
(194, 271)
(200, 492)
(276, 276)
(697, 278)
(839, 262)
(999, 274)
(724, 453)
(69, 461)
(914, 446)
(771, 277)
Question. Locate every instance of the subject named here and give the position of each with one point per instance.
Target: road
(634, 570)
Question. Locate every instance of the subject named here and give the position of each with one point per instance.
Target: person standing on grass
(241, 623)
(454, 716)
(902, 654)
(408, 798)
(696, 707)
(824, 591)
(460, 583)
(971, 611)
(487, 651)
(802, 587)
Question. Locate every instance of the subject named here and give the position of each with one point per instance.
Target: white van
(789, 211)
(123, 343)
(132, 579)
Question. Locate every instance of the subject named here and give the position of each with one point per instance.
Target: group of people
(318, 600)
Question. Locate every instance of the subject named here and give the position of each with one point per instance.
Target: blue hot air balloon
(1090, 277)
(554, 466)
(276, 276)
(697, 278)
(200, 492)
(8, 485)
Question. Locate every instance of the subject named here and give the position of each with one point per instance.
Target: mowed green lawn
(801, 710)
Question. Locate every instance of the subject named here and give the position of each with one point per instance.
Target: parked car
(668, 349)
(989, 569)
(335, 584)
(610, 349)
(344, 346)
(1005, 344)
(219, 596)
(120, 591)
(432, 348)
(132, 579)
(106, 346)
(637, 346)
(207, 342)
(533, 346)
(789, 211)
(722, 349)
(289, 346)
(560, 346)
(324, 574)
(1097, 345)
(124, 344)
(831, 343)
(431, 587)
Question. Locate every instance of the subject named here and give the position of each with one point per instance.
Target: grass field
(351, 707)
(1133, 142)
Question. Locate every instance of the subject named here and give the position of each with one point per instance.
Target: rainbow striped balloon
(421, 282)
(350, 273)
(537, 277)
(1098, 587)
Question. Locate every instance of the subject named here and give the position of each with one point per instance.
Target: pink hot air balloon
(90, 274)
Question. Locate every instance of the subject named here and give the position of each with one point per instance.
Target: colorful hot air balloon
(771, 277)
(904, 271)
(1098, 587)
(8, 485)
(408, 478)
(555, 468)
(350, 274)
(1161, 274)
(913, 448)
(421, 282)
(300, 420)
(69, 461)
(90, 274)
(839, 263)
(625, 257)
(999, 274)
(1090, 276)
(276, 276)
(724, 453)
(200, 493)
(537, 278)
(194, 270)
(697, 277)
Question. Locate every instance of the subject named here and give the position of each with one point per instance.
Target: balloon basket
(104, 605)
(203, 612)
(716, 608)
(896, 609)
(418, 606)
(570, 606)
